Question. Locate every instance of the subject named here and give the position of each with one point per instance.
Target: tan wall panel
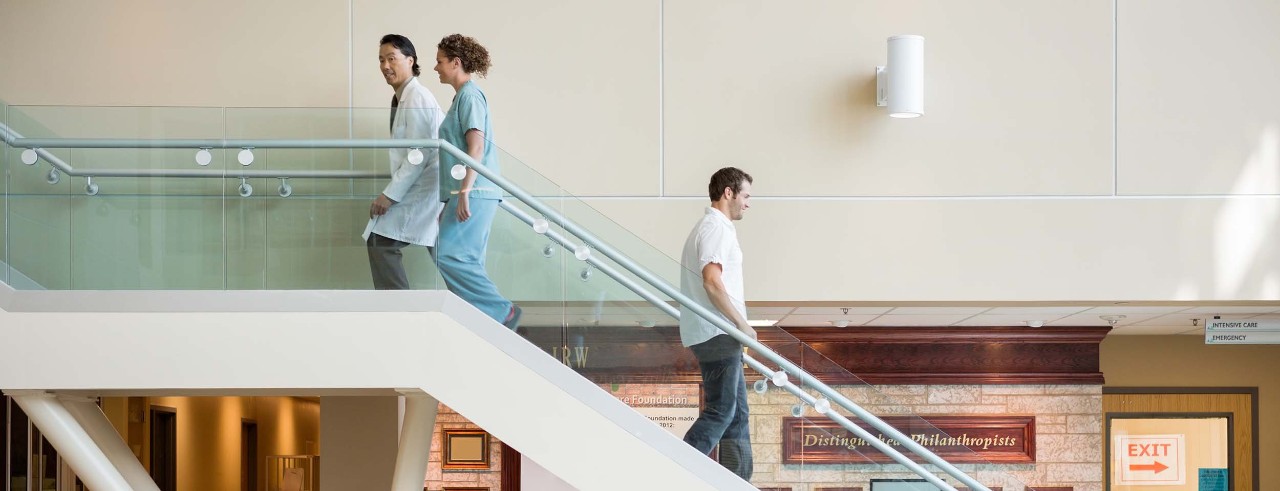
(987, 250)
(1017, 97)
(574, 86)
(1197, 104)
(1185, 361)
(149, 52)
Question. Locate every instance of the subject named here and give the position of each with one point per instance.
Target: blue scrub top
(470, 110)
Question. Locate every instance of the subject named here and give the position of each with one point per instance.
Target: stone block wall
(1068, 434)
(438, 477)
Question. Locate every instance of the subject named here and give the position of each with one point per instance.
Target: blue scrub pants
(460, 253)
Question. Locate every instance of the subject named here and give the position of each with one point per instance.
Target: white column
(415, 441)
(71, 440)
(108, 439)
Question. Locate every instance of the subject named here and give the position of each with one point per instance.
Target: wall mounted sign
(1150, 459)
(674, 407)
(957, 439)
(1239, 331)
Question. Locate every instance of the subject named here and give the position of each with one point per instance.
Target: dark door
(164, 448)
(248, 456)
(16, 447)
(6, 476)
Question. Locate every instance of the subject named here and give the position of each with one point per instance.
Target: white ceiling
(1139, 319)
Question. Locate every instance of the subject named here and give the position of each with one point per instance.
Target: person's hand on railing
(380, 205)
(749, 331)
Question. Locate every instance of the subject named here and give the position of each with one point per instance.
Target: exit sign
(1149, 460)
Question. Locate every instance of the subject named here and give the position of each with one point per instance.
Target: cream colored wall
(1185, 361)
(154, 53)
(1089, 150)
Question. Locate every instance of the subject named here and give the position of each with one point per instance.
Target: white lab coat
(414, 188)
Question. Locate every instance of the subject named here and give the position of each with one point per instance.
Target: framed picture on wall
(466, 449)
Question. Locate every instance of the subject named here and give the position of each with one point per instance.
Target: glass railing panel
(604, 228)
(600, 328)
(39, 214)
(151, 242)
(39, 227)
(527, 267)
(5, 153)
(124, 232)
(305, 232)
(807, 450)
(130, 123)
(311, 124)
(829, 451)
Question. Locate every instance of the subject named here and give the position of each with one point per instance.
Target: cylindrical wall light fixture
(900, 85)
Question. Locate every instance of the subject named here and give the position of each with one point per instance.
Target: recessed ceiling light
(1112, 319)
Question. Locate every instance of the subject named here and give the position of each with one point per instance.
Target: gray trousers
(386, 263)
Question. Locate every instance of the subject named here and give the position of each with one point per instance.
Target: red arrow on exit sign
(1156, 467)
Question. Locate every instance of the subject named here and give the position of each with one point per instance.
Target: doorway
(1235, 407)
(164, 447)
(248, 455)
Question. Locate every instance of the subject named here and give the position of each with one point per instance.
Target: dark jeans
(723, 419)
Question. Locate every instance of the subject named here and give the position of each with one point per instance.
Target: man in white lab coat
(407, 210)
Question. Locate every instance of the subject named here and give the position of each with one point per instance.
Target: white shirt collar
(720, 216)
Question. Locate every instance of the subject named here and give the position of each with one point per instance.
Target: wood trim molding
(511, 462)
(957, 335)
(849, 356)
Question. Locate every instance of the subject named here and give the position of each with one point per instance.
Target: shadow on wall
(1239, 237)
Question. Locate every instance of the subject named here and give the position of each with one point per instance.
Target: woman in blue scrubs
(470, 203)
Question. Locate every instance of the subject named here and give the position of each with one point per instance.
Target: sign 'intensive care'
(1242, 331)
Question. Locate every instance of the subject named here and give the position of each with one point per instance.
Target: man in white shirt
(712, 276)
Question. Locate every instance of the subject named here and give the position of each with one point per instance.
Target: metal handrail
(789, 368)
(14, 139)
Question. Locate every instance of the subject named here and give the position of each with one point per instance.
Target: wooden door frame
(1253, 408)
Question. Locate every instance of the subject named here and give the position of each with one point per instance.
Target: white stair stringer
(344, 343)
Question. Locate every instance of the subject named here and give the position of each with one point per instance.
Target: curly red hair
(475, 59)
